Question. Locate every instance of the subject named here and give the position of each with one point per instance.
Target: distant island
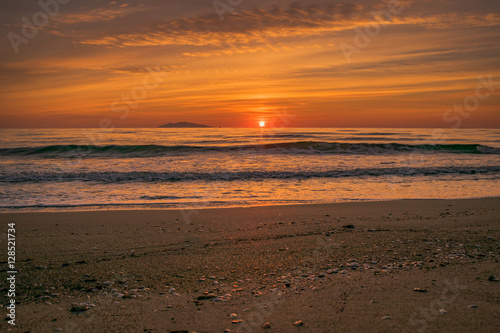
(183, 124)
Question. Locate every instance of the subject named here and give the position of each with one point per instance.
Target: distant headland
(183, 124)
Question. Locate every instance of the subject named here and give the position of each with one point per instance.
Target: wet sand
(398, 266)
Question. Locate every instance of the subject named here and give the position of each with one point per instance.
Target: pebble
(233, 316)
(386, 317)
(81, 307)
(443, 311)
(208, 296)
(331, 271)
(472, 306)
(266, 325)
(492, 278)
(420, 290)
(298, 323)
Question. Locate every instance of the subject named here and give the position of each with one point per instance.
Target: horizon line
(230, 127)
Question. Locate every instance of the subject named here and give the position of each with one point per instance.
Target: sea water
(81, 169)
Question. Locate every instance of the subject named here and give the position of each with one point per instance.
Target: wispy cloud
(133, 69)
(275, 28)
(421, 61)
(252, 26)
(94, 15)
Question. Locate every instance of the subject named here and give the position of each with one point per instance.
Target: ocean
(94, 169)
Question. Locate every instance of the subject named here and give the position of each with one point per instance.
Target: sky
(236, 63)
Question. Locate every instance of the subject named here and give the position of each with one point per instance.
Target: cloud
(415, 62)
(91, 16)
(256, 26)
(452, 21)
(260, 29)
(133, 69)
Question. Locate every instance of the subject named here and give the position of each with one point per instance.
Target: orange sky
(91, 63)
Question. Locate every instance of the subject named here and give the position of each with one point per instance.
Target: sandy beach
(397, 266)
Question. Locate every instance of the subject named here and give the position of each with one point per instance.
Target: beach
(391, 266)
(244, 166)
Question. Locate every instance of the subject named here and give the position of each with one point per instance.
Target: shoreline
(143, 207)
(355, 266)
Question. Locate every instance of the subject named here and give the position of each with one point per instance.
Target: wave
(163, 205)
(165, 197)
(161, 177)
(299, 147)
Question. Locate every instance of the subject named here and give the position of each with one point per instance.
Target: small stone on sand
(209, 296)
(420, 290)
(82, 307)
(266, 325)
(298, 323)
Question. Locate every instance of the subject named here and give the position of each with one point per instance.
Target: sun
(262, 123)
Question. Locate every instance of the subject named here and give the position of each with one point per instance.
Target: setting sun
(262, 123)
